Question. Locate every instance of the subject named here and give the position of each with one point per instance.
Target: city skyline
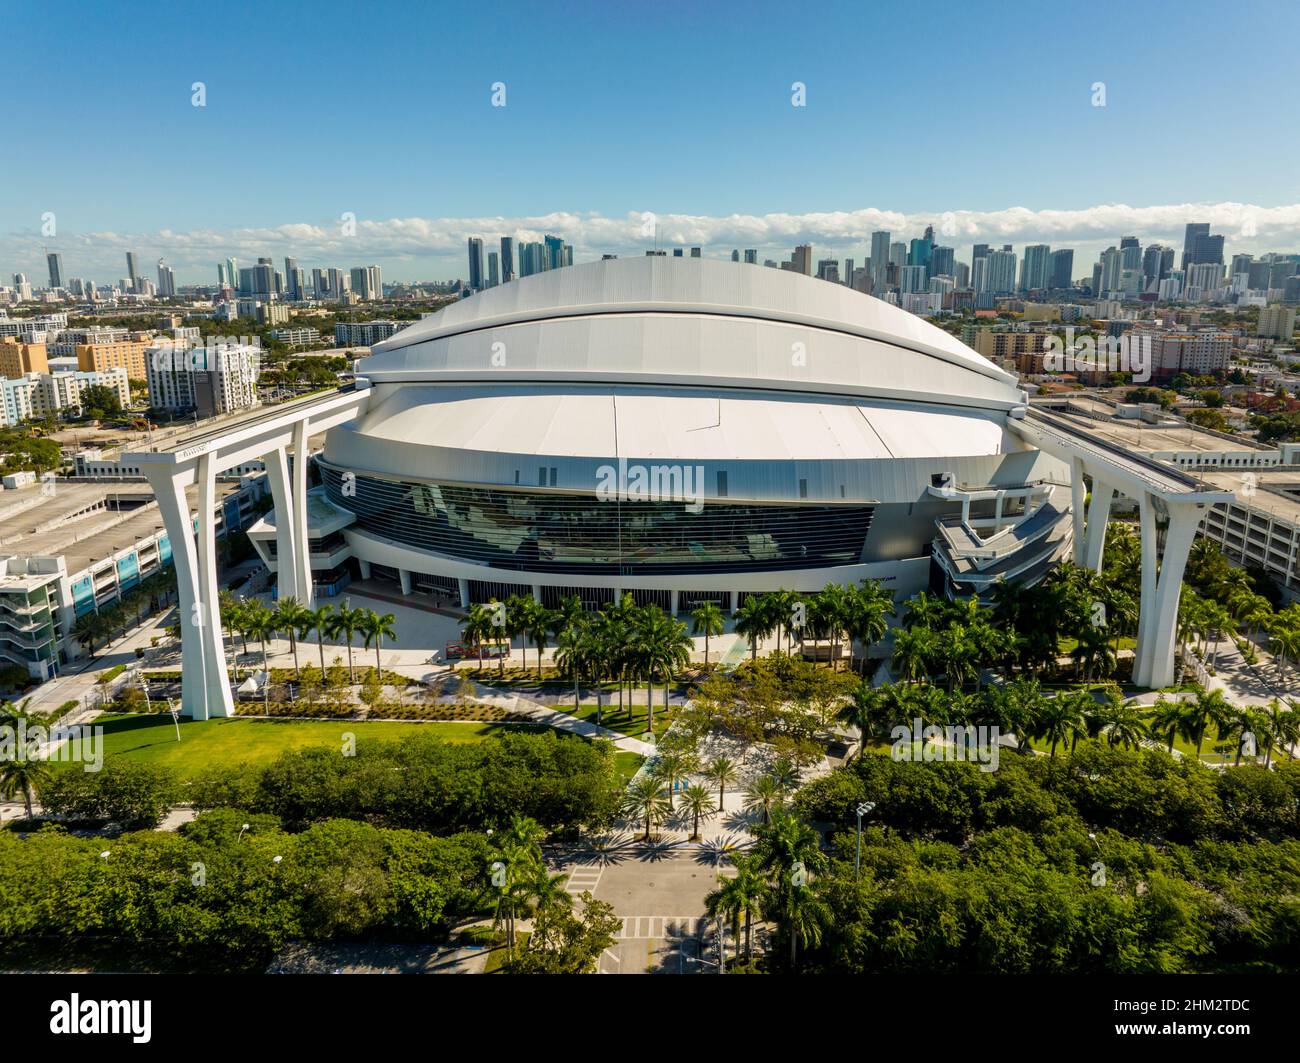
(417, 249)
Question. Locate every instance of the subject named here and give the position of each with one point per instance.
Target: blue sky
(681, 109)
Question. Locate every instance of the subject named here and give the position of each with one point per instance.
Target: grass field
(233, 741)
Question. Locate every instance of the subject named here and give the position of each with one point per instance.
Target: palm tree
(789, 850)
(295, 619)
(753, 622)
(25, 775)
(869, 608)
(475, 627)
(88, 630)
(1060, 719)
(573, 656)
(723, 772)
(663, 648)
(375, 627)
(346, 622)
(320, 623)
(648, 799)
(707, 620)
(1284, 728)
(262, 625)
(912, 650)
(764, 792)
(923, 610)
(1172, 720)
(1125, 723)
(739, 894)
(696, 801)
(1210, 707)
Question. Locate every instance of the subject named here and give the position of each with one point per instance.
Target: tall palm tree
(923, 610)
(475, 629)
(869, 608)
(737, 895)
(721, 771)
(696, 802)
(766, 793)
(707, 620)
(295, 620)
(25, 775)
(1284, 727)
(1210, 708)
(1172, 720)
(375, 627)
(789, 850)
(1126, 723)
(753, 622)
(346, 622)
(648, 799)
(1061, 719)
(913, 648)
(320, 623)
(573, 656)
(262, 625)
(663, 648)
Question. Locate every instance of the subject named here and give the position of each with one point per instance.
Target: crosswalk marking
(582, 879)
(653, 927)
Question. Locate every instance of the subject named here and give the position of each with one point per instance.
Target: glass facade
(535, 530)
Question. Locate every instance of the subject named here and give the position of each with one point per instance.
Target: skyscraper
(943, 262)
(1200, 247)
(475, 263)
(751, 256)
(1063, 268)
(1000, 272)
(1035, 269)
(494, 269)
(507, 259)
(130, 268)
(554, 251)
(803, 260)
(55, 262)
(879, 262)
(366, 282)
(292, 273)
(166, 279)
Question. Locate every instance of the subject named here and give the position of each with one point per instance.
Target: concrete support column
(674, 601)
(1078, 495)
(1098, 515)
(212, 645)
(1147, 604)
(169, 489)
(462, 585)
(298, 500)
(1163, 630)
(277, 473)
(405, 577)
(731, 601)
(537, 593)
(365, 567)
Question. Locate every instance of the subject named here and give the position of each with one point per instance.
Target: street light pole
(863, 809)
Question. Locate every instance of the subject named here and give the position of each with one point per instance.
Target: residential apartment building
(99, 357)
(210, 380)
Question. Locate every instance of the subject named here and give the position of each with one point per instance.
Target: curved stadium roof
(688, 322)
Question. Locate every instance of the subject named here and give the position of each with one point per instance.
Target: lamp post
(864, 809)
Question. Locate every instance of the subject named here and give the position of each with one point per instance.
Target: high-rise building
(942, 260)
(1112, 264)
(879, 262)
(232, 272)
(554, 252)
(209, 380)
(366, 281)
(1000, 272)
(1275, 322)
(55, 262)
(918, 254)
(978, 251)
(130, 268)
(293, 279)
(695, 252)
(803, 260)
(507, 259)
(166, 279)
(1063, 268)
(1036, 267)
(493, 269)
(475, 263)
(1200, 247)
(751, 256)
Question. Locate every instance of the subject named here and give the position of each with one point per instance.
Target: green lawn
(627, 764)
(633, 725)
(238, 740)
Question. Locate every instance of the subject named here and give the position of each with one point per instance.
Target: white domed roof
(691, 322)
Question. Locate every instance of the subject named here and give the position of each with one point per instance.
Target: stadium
(686, 429)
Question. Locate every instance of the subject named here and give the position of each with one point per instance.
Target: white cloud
(423, 248)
